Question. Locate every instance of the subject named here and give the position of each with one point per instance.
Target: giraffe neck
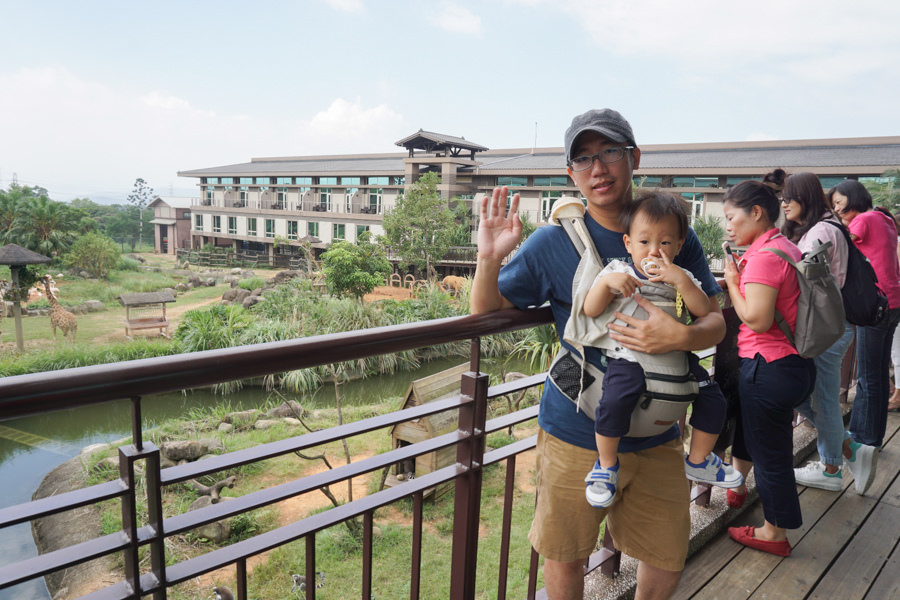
(50, 298)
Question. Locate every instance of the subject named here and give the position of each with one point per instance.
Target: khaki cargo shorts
(649, 518)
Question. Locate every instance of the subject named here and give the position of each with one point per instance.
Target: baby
(656, 227)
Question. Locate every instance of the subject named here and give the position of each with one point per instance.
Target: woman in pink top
(774, 378)
(874, 234)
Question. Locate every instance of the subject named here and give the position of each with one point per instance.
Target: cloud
(347, 124)
(349, 6)
(457, 19)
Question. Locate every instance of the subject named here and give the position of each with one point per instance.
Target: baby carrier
(670, 386)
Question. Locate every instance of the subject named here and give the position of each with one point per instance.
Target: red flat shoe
(735, 499)
(744, 536)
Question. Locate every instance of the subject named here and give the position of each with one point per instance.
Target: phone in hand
(727, 248)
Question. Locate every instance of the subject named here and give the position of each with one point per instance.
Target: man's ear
(636, 159)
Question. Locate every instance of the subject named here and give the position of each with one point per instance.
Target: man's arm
(499, 232)
(661, 333)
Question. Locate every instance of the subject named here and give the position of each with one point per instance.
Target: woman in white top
(809, 219)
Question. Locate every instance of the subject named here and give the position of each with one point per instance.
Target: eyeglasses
(607, 156)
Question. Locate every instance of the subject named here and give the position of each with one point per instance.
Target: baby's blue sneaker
(713, 471)
(601, 485)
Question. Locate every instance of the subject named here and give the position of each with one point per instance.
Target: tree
(44, 226)
(94, 253)
(123, 224)
(886, 190)
(141, 196)
(462, 224)
(354, 269)
(420, 225)
(711, 234)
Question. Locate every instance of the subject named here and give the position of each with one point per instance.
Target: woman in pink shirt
(774, 378)
(875, 235)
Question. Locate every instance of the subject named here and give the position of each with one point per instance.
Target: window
(246, 181)
(263, 180)
(281, 198)
(512, 181)
(710, 182)
(547, 201)
(242, 200)
(350, 180)
(325, 199)
(198, 222)
(830, 182)
(375, 197)
(643, 181)
(217, 224)
(736, 180)
(348, 196)
(327, 180)
(400, 180)
(211, 180)
(251, 226)
(360, 230)
(696, 202)
(227, 180)
(312, 229)
(270, 228)
(292, 230)
(551, 181)
(304, 181)
(378, 180)
(338, 232)
(232, 225)
(682, 182)
(210, 196)
(283, 181)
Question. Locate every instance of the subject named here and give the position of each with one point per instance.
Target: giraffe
(59, 317)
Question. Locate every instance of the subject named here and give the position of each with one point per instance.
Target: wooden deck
(847, 548)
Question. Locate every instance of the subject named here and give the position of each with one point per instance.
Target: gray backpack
(820, 309)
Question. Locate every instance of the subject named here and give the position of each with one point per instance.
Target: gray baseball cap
(605, 121)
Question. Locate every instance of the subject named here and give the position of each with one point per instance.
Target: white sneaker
(714, 472)
(862, 465)
(814, 475)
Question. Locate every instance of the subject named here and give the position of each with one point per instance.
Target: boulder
(265, 424)
(94, 306)
(283, 276)
(246, 417)
(285, 409)
(190, 450)
(217, 531)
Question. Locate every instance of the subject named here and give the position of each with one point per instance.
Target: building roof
(173, 201)
(145, 298)
(430, 141)
(855, 156)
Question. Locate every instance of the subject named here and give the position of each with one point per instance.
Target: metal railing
(44, 392)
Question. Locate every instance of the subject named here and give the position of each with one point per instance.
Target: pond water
(54, 438)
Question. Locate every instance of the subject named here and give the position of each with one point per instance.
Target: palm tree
(44, 226)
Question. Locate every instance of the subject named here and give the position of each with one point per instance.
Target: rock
(194, 281)
(184, 449)
(241, 294)
(283, 276)
(225, 428)
(285, 409)
(94, 306)
(246, 417)
(107, 466)
(210, 282)
(165, 462)
(230, 295)
(94, 448)
(181, 287)
(265, 424)
(251, 300)
(236, 271)
(256, 292)
(291, 421)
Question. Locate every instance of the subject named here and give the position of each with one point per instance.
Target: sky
(95, 94)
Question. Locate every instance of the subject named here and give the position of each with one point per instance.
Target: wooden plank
(713, 558)
(887, 584)
(864, 558)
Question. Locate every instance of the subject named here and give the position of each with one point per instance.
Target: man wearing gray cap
(650, 518)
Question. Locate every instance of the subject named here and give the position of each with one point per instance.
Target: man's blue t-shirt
(541, 271)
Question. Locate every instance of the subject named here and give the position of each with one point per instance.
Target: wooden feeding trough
(428, 389)
(146, 310)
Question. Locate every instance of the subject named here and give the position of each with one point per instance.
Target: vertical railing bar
(610, 567)
(367, 554)
(533, 574)
(475, 355)
(311, 566)
(241, 578)
(137, 435)
(416, 575)
(155, 520)
(507, 526)
(129, 521)
(467, 493)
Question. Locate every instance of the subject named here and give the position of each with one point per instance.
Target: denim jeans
(868, 419)
(823, 407)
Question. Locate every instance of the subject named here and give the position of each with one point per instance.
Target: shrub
(94, 253)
